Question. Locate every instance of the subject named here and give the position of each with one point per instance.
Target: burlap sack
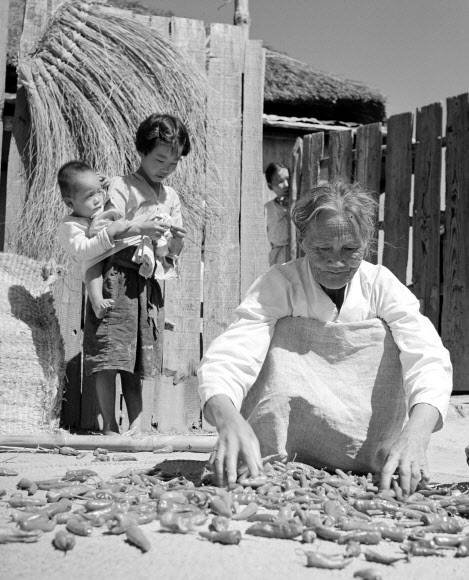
(31, 349)
(329, 393)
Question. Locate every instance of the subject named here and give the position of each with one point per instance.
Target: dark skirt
(127, 338)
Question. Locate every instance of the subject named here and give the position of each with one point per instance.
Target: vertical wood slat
(254, 250)
(222, 253)
(313, 151)
(340, 154)
(455, 319)
(68, 297)
(426, 212)
(397, 195)
(35, 21)
(368, 164)
(4, 9)
(176, 401)
(295, 187)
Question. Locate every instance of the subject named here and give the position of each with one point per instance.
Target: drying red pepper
(285, 531)
(226, 537)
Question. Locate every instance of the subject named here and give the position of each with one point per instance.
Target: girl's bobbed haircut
(162, 129)
(272, 169)
(343, 198)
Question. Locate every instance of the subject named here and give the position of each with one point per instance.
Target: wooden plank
(68, 297)
(340, 154)
(4, 9)
(221, 284)
(368, 165)
(295, 188)
(426, 212)
(455, 317)
(35, 21)
(397, 196)
(176, 402)
(313, 150)
(254, 250)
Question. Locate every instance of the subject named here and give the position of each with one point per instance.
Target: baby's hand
(104, 179)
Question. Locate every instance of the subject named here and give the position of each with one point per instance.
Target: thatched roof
(296, 89)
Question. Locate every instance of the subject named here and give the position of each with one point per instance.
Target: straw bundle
(31, 349)
(94, 78)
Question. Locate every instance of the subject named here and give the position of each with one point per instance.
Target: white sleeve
(74, 240)
(234, 360)
(426, 364)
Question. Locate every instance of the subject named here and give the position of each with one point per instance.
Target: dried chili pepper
(372, 556)
(286, 531)
(317, 560)
(5, 472)
(63, 541)
(229, 537)
(463, 548)
(368, 574)
(79, 527)
(137, 537)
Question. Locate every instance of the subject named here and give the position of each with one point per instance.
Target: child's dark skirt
(127, 338)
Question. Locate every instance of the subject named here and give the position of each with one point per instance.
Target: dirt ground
(188, 557)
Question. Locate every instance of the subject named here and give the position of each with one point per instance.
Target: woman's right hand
(237, 442)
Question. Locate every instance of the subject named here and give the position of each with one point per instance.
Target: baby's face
(87, 197)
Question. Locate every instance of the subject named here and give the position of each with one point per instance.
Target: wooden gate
(422, 184)
(218, 263)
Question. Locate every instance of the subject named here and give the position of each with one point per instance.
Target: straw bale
(31, 349)
(94, 78)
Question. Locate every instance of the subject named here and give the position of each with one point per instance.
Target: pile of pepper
(289, 500)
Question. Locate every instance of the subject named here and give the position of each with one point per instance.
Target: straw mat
(31, 349)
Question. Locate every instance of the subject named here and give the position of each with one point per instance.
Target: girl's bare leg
(132, 391)
(94, 285)
(106, 395)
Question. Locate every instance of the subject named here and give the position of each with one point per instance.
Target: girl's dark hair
(68, 173)
(162, 128)
(272, 169)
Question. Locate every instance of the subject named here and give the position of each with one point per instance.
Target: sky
(415, 52)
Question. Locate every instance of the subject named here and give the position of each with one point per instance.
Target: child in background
(277, 215)
(124, 341)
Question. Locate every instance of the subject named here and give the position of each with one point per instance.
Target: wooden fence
(422, 184)
(232, 248)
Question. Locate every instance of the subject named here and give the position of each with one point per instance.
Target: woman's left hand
(408, 458)
(408, 454)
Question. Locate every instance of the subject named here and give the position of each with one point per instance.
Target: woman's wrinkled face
(334, 250)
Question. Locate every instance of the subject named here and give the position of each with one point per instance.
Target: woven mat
(31, 349)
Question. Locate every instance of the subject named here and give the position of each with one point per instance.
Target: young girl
(277, 214)
(125, 340)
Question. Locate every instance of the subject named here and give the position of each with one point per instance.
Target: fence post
(340, 154)
(426, 212)
(397, 195)
(295, 188)
(368, 164)
(454, 319)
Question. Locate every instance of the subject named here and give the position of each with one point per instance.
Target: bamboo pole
(242, 17)
(192, 443)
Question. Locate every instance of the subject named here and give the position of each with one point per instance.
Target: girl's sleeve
(426, 364)
(74, 240)
(234, 359)
(117, 197)
(176, 215)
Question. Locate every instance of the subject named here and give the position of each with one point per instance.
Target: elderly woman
(329, 359)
